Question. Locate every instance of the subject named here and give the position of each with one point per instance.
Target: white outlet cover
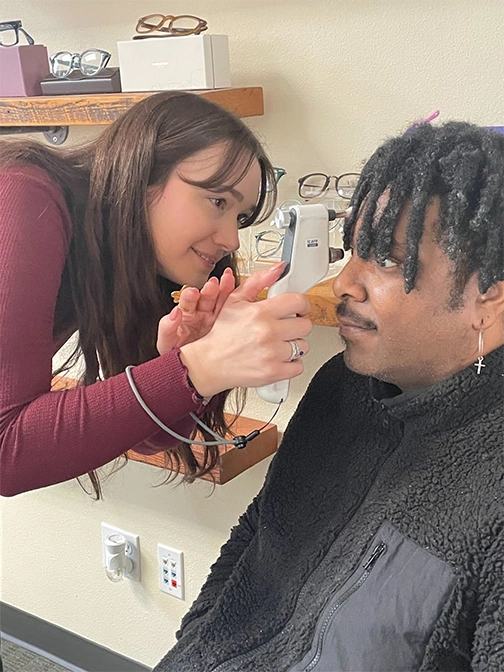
(171, 571)
(132, 548)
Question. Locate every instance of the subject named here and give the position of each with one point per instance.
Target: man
(377, 540)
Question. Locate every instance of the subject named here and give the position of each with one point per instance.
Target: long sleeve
(241, 536)
(49, 437)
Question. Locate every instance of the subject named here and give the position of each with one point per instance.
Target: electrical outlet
(132, 548)
(171, 571)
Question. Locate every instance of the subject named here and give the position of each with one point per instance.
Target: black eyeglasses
(314, 185)
(9, 33)
(90, 62)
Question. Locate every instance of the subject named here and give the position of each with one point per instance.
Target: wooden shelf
(323, 303)
(91, 109)
(232, 461)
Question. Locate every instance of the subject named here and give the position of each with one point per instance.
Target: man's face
(414, 339)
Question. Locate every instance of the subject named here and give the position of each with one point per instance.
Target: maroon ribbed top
(48, 437)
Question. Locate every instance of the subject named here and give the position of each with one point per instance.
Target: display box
(22, 68)
(182, 62)
(106, 81)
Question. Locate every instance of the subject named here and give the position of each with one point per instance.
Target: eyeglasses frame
(328, 178)
(17, 27)
(278, 244)
(146, 29)
(105, 56)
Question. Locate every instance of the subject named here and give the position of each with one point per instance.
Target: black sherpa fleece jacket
(376, 542)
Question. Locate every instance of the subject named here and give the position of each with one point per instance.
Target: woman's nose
(226, 237)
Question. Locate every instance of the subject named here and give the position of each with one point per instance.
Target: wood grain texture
(104, 108)
(323, 304)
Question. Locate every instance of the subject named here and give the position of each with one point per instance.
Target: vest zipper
(367, 566)
(378, 551)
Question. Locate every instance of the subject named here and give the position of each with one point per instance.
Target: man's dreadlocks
(460, 163)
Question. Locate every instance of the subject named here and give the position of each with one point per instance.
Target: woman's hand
(195, 313)
(248, 345)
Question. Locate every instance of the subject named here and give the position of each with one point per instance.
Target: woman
(95, 240)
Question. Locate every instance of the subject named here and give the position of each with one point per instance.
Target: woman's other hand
(195, 313)
(248, 345)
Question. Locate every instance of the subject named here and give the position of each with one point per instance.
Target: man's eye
(389, 263)
(219, 202)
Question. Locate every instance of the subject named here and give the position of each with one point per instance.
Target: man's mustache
(343, 311)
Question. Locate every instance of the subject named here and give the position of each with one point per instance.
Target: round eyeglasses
(268, 243)
(90, 62)
(169, 25)
(314, 185)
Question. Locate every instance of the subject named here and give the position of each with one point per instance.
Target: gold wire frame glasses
(169, 26)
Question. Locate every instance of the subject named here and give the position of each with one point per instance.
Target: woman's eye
(219, 202)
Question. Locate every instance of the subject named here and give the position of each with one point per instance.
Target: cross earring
(479, 364)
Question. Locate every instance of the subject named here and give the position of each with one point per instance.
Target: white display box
(160, 64)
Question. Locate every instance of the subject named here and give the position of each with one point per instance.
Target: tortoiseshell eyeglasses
(160, 25)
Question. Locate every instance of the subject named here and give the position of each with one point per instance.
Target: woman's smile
(206, 258)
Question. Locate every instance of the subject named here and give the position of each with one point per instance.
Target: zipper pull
(377, 552)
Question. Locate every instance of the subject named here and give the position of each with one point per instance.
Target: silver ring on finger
(296, 352)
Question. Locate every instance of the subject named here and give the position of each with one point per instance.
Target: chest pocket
(382, 617)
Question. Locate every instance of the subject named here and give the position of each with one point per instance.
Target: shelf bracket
(56, 135)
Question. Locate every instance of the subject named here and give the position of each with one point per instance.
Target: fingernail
(173, 315)
(279, 264)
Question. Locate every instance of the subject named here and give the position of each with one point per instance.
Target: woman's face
(193, 228)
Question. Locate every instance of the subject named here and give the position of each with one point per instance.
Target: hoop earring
(479, 364)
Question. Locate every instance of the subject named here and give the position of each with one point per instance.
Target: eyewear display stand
(22, 68)
(106, 81)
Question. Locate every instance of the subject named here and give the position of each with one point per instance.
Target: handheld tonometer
(307, 255)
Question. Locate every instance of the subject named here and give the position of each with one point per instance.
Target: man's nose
(349, 283)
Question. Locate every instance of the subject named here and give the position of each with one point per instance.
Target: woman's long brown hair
(111, 267)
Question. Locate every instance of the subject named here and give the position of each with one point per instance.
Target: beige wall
(339, 76)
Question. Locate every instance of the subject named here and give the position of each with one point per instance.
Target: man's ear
(490, 306)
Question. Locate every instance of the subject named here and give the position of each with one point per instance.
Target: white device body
(306, 253)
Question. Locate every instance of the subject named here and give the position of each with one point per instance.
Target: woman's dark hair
(111, 267)
(460, 163)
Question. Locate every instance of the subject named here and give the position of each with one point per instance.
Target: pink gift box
(22, 68)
